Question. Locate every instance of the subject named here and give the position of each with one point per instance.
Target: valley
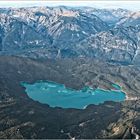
(76, 47)
(67, 122)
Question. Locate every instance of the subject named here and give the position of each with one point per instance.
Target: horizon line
(104, 4)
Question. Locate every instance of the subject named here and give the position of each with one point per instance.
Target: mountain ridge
(57, 32)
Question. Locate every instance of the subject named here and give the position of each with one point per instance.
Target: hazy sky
(132, 5)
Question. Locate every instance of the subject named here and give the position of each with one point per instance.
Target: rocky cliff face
(60, 32)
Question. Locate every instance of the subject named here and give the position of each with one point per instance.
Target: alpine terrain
(77, 47)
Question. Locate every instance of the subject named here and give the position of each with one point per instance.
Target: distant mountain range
(77, 47)
(59, 32)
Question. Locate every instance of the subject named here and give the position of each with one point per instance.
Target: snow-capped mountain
(53, 32)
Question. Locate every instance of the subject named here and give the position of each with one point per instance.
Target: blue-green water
(57, 95)
(117, 87)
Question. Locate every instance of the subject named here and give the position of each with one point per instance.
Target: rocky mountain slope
(85, 41)
(111, 16)
(113, 45)
(58, 32)
(45, 27)
(132, 19)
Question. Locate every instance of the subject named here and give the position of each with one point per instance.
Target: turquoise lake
(57, 95)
